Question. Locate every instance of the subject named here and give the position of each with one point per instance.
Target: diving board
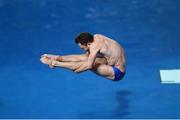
(170, 76)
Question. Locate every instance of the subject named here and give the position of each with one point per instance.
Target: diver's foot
(50, 56)
(46, 60)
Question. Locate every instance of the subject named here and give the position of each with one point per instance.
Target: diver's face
(84, 47)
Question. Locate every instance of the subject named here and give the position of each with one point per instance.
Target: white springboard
(170, 76)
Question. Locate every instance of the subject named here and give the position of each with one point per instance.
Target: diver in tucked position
(103, 56)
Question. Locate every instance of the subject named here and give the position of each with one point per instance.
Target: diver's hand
(82, 68)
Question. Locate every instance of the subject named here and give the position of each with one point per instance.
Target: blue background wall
(148, 30)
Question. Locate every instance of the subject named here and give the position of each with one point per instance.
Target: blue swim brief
(118, 74)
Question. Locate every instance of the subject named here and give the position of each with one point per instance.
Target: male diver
(103, 56)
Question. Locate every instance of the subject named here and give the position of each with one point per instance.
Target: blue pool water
(148, 30)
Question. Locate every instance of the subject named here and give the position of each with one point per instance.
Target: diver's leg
(104, 70)
(67, 58)
(68, 65)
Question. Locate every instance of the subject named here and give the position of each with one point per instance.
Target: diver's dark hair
(84, 38)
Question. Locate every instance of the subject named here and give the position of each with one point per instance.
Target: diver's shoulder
(98, 38)
(98, 35)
